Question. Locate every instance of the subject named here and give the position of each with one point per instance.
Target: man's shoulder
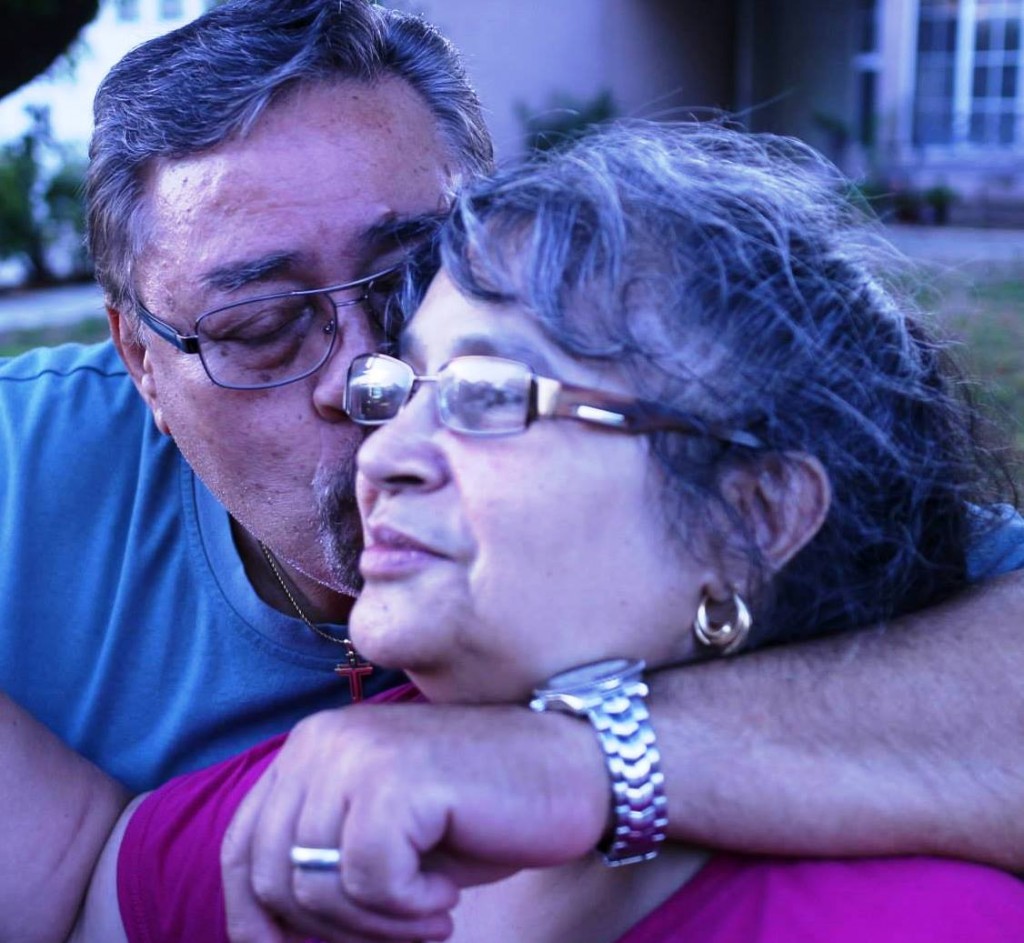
(997, 546)
(51, 364)
(72, 396)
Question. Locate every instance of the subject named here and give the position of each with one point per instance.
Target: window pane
(925, 35)
(933, 128)
(978, 84)
(936, 35)
(866, 111)
(983, 36)
(1006, 123)
(867, 13)
(977, 132)
(1009, 85)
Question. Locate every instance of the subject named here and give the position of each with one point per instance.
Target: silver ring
(315, 859)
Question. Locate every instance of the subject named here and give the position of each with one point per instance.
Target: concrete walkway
(68, 304)
(956, 246)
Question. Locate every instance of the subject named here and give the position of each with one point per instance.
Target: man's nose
(355, 336)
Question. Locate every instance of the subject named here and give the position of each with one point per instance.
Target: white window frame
(963, 80)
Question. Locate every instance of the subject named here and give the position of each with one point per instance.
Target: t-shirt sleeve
(169, 887)
(997, 544)
(168, 869)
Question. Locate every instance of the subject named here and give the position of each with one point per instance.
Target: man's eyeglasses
(483, 396)
(276, 339)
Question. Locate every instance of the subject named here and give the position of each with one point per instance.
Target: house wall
(801, 69)
(656, 57)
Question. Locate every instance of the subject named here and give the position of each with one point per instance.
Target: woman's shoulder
(798, 900)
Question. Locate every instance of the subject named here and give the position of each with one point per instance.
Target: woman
(654, 406)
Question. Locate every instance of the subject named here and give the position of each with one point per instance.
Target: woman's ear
(783, 498)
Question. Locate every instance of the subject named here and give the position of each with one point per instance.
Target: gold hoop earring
(722, 638)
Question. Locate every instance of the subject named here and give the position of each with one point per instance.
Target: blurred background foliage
(42, 217)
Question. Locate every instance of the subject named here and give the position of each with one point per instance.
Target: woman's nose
(405, 453)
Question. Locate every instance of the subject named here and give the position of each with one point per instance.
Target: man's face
(300, 203)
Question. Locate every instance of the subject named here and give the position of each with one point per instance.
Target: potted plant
(939, 199)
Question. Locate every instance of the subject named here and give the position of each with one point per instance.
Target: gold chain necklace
(353, 669)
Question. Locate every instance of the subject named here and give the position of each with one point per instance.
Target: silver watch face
(595, 674)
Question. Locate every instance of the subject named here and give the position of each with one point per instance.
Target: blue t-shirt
(129, 625)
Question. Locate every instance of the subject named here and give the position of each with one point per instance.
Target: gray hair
(732, 277)
(198, 86)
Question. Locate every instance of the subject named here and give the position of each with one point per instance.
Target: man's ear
(135, 354)
(784, 499)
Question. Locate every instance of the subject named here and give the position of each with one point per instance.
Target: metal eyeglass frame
(189, 343)
(553, 399)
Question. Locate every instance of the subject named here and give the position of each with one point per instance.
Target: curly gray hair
(733, 277)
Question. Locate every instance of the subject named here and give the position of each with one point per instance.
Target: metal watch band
(634, 765)
(618, 713)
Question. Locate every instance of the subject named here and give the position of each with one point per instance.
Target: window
(127, 10)
(968, 79)
(866, 65)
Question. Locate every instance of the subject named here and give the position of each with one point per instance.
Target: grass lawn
(84, 332)
(984, 312)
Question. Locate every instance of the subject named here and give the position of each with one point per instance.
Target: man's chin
(341, 553)
(339, 531)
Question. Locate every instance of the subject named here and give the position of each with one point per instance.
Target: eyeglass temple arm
(187, 343)
(554, 398)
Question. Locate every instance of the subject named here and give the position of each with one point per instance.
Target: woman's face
(492, 563)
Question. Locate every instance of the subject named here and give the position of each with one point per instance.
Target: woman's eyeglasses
(481, 396)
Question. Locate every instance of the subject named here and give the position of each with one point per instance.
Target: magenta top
(169, 882)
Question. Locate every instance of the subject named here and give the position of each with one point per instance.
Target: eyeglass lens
(267, 341)
(276, 339)
(476, 395)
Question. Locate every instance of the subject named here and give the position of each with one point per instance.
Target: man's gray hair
(731, 275)
(198, 86)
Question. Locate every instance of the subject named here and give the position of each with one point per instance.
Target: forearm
(906, 740)
(58, 810)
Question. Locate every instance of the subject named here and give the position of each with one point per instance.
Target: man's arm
(881, 742)
(899, 740)
(57, 812)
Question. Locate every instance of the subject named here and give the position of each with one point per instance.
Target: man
(148, 627)
(180, 534)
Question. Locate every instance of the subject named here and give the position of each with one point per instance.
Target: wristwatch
(610, 694)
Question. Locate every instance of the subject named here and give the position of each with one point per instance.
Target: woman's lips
(390, 553)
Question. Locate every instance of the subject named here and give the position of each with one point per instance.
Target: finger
(327, 913)
(247, 921)
(383, 846)
(277, 807)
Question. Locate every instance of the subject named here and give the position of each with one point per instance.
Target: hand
(423, 800)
